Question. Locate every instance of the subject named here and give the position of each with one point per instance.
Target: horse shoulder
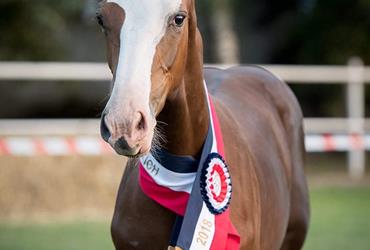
(264, 109)
(260, 118)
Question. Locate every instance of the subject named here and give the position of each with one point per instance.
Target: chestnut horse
(155, 54)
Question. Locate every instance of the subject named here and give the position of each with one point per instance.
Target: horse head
(147, 46)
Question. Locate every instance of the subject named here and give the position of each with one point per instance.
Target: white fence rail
(100, 71)
(75, 127)
(354, 75)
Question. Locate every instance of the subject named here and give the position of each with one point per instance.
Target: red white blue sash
(198, 192)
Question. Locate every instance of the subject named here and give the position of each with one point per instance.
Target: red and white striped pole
(94, 145)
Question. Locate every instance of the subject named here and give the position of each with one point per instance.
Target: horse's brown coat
(112, 18)
(262, 128)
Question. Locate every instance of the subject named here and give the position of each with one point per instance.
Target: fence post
(356, 115)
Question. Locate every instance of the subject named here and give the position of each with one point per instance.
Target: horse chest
(138, 222)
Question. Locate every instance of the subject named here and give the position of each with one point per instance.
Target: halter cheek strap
(199, 193)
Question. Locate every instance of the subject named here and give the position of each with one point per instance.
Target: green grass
(59, 236)
(340, 221)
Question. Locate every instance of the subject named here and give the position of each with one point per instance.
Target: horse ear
(195, 45)
(193, 18)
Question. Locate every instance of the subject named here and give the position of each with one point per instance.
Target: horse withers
(155, 55)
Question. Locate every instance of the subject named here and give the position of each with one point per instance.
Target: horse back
(261, 123)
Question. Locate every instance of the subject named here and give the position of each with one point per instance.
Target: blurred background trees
(265, 31)
(49, 30)
(234, 31)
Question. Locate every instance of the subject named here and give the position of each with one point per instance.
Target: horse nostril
(141, 124)
(121, 144)
(104, 131)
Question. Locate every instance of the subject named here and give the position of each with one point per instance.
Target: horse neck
(185, 113)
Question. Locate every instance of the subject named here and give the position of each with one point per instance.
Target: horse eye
(179, 20)
(99, 19)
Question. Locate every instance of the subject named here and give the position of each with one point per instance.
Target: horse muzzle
(129, 137)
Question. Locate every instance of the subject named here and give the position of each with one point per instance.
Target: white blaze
(144, 26)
